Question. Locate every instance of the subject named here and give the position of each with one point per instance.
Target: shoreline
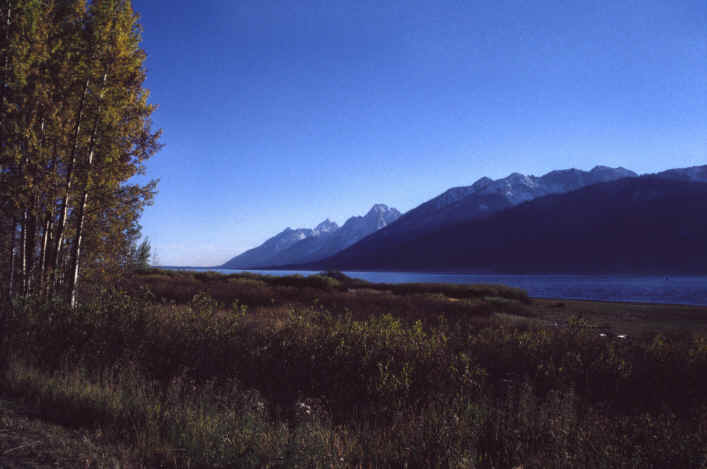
(696, 288)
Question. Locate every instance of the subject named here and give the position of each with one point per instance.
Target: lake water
(643, 289)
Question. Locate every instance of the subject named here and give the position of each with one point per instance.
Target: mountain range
(486, 196)
(461, 228)
(310, 245)
(644, 224)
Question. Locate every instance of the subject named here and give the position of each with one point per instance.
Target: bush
(377, 377)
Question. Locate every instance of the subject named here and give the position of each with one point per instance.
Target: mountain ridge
(456, 206)
(642, 224)
(487, 196)
(309, 245)
(482, 198)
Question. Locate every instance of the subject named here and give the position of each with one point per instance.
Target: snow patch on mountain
(458, 204)
(518, 188)
(305, 245)
(327, 226)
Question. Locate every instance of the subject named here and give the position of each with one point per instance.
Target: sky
(285, 113)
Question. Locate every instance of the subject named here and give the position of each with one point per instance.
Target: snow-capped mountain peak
(327, 226)
(378, 208)
(458, 204)
(519, 188)
(382, 212)
(481, 183)
(486, 196)
(305, 245)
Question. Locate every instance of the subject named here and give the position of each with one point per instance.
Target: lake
(691, 290)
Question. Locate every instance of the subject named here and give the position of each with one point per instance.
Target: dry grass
(27, 441)
(629, 318)
(323, 375)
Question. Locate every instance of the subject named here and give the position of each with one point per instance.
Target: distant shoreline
(667, 276)
(689, 290)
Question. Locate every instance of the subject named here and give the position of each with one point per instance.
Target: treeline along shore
(199, 369)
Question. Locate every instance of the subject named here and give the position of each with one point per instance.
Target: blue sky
(284, 113)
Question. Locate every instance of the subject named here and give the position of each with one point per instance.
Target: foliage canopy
(74, 129)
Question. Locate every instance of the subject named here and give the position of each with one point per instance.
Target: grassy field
(183, 369)
(27, 441)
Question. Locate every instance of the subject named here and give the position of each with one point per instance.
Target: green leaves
(75, 127)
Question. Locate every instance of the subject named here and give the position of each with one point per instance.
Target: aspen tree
(75, 128)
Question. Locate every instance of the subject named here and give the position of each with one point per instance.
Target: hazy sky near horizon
(284, 113)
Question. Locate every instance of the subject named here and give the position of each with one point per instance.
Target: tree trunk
(49, 201)
(33, 224)
(11, 256)
(23, 253)
(46, 229)
(13, 226)
(76, 255)
(74, 278)
(61, 225)
(76, 258)
(30, 249)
